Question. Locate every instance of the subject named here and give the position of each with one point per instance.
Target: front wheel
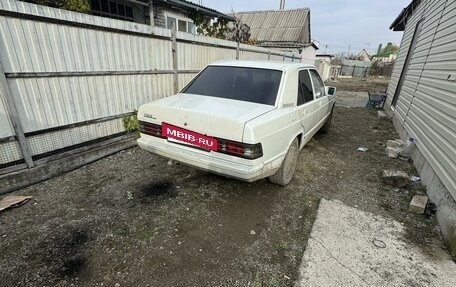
(285, 173)
(325, 128)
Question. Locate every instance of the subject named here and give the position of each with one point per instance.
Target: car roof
(276, 65)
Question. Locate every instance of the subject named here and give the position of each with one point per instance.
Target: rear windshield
(237, 83)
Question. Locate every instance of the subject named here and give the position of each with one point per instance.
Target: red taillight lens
(150, 129)
(248, 151)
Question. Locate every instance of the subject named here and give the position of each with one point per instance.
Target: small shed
(324, 67)
(363, 55)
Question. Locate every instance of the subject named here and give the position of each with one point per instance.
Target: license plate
(183, 135)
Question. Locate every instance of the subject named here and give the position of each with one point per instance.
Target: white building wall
(426, 106)
(323, 65)
(308, 55)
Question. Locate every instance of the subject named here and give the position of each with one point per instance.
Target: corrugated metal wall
(6, 129)
(400, 60)
(426, 106)
(66, 69)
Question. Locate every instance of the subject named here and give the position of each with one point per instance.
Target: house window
(112, 9)
(182, 24)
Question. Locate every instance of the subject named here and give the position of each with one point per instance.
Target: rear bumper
(238, 168)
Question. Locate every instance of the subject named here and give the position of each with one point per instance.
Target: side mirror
(330, 91)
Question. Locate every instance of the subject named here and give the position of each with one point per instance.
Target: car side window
(319, 87)
(305, 92)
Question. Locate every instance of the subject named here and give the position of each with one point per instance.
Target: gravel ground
(132, 219)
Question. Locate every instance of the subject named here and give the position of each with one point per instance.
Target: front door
(320, 96)
(308, 106)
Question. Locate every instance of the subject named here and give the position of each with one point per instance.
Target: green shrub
(130, 123)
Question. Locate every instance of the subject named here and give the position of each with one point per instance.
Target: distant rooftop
(187, 5)
(278, 27)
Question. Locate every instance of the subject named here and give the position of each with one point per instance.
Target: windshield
(237, 83)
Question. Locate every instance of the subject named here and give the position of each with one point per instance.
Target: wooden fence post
(151, 13)
(15, 120)
(175, 66)
(353, 72)
(237, 49)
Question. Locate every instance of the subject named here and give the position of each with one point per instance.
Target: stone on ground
(392, 152)
(418, 204)
(395, 143)
(395, 178)
(382, 115)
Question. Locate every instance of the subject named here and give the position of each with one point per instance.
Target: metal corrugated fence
(6, 129)
(355, 68)
(68, 78)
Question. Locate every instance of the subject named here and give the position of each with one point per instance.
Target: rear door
(320, 95)
(308, 107)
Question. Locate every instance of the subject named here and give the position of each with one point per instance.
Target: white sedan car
(242, 119)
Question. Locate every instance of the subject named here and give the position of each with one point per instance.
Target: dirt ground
(361, 85)
(133, 220)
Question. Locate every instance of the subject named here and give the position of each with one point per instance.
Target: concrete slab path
(350, 247)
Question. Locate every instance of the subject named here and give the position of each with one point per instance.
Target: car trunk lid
(211, 116)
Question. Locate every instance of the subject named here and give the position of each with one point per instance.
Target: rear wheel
(285, 173)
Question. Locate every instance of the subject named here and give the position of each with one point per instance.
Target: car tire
(325, 128)
(286, 171)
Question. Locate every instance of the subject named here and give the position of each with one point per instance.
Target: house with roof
(161, 13)
(363, 55)
(422, 100)
(325, 68)
(385, 55)
(285, 30)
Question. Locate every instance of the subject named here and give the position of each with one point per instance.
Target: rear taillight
(150, 129)
(249, 151)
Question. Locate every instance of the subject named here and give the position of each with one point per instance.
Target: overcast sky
(336, 23)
